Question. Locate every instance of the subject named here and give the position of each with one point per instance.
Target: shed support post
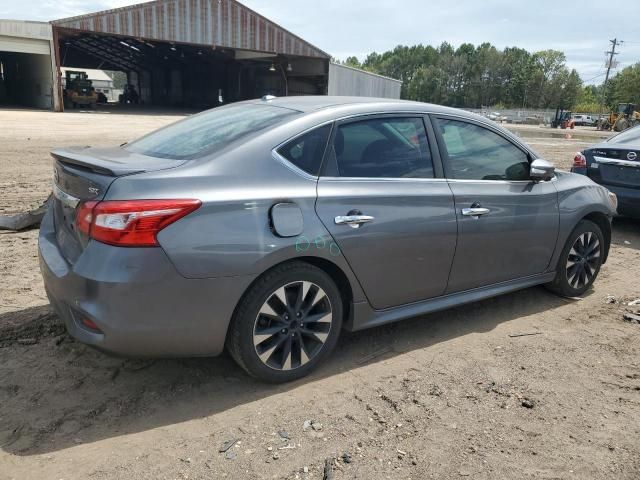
(58, 101)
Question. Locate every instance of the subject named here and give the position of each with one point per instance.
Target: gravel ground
(448, 395)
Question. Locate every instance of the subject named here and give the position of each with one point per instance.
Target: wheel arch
(330, 268)
(341, 280)
(604, 223)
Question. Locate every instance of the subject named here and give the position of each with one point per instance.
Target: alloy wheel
(292, 325)
(583, 260)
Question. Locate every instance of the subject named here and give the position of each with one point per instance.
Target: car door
(384, 200)
(507, 224)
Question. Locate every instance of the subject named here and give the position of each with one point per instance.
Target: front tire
(286, 323)
(580, 260)
(621, 125)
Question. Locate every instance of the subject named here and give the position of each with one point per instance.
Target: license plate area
(620, 175)
(68, 238)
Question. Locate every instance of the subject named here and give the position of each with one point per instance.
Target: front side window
(210, 131)
(383, 148)
(477, 153)
(307, 150)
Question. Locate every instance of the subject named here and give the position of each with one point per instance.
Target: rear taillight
(84, 216)
(130, 223)
(579, 161)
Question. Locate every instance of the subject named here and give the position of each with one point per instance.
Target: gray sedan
(268, 226)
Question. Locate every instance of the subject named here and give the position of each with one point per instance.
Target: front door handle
(354, 221)
(475, 211)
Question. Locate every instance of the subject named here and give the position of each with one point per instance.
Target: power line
(593, 78)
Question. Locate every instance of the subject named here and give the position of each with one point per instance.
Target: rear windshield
(631, 135)
(210, 131)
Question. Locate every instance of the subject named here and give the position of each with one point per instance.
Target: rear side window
(477, 153)
(210, 131)
(383, 148)
(307, 150)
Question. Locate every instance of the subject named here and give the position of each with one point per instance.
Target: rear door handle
(475, 211)
(354, 221)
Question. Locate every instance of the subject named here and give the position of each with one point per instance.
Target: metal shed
(186, 53)
(193, 53)
(351, 81)
(26, 67)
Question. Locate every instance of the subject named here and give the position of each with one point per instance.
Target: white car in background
(496, 117)
(585, 120)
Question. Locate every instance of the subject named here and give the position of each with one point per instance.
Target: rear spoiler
(114, 162)
(80, 157)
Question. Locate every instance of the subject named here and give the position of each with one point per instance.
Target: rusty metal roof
(224, 23)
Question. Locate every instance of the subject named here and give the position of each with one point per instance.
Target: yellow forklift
(79, 90)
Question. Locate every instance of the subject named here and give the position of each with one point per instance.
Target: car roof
(312, 103)
(630, 138)
(323, 107)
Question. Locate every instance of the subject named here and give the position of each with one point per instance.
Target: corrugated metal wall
(25, 29)
(225, 23)
(24, 45)
(351, 81)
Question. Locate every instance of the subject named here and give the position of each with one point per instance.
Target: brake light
(84, 216)
(579, 161)
(131, 223)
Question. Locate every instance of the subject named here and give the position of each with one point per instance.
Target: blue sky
(580, 28)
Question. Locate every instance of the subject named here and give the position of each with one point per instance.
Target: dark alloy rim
(583, 259)
(292, 326)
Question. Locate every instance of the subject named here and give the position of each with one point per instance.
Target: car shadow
(59, 393)
(625, 232)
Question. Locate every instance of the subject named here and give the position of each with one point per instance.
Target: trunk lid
(84, 174)
(618, 166)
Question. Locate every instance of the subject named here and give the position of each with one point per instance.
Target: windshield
(631, 135)
(210, 131)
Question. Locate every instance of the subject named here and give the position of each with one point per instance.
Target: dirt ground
(448, 395)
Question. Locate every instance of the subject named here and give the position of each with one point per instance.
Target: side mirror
(542, 170)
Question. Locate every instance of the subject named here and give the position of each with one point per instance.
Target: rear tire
(580, 260)
(287, 323)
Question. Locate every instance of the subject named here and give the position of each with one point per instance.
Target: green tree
(515, 73)
(472, 76)
(352, 62)
(548, 66)
(119, 78)
(624, 87)
(588, 100)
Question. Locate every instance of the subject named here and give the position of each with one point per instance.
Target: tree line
(624, 87)
(474, 76)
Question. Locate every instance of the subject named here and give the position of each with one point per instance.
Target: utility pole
(610, 63)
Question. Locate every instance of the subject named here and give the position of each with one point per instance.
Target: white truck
(585, 120)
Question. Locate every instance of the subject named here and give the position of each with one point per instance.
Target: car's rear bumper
(628, 200)
(142, 305)
(628, 197)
